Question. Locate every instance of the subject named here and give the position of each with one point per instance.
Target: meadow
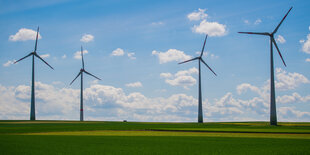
(92, 137)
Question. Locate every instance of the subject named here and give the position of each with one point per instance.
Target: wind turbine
(200, 115)
(273, 111)
(81, 73)
(33, 54)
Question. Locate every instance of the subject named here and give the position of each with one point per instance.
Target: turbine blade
(203, 47)
(23, 58)
(275, 30)
(35, 47)
(275, 44)
(91, 75)
(208, 66)
(76, 77)
(43, 60)
(82, 57)
(258, 33)
(188, 60)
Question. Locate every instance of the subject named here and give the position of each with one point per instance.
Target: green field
(73, 137)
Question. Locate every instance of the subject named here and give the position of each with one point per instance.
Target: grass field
(73, 137)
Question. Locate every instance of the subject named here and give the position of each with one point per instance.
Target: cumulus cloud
(206, 27)
(87, 38)
(288, 81)
(208, 54)
(134, 84)
(197, 15)
(77, 54)
(284, 81)
(24, 34)
(9, 63)
(257, 21)
(289, 112)
(306, 45)
(210, 28)
(118, 52)
(45, 55)
(131, 56)
(280, 39)
(165, 75)
(307, 60)
(294, 98)
(64, 56)
(101, 102)
(108, 103)
(181, 78)
(121, 52)
(171, 55)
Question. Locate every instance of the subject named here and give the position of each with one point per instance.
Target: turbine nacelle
(83, 70)
(273, 112)
(199, 58)
(271, 35)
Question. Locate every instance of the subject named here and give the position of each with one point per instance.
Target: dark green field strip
(234, 130)
(34, 144)
(7, 127)
(171, 133)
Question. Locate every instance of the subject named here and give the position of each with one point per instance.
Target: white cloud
(257, 21)
(288, 81)
(64, 56)
(190, 71)
(109, 103)
(9, 63)
(208, 54)
(288, 112)
(210, 28)
(24, 34)
(184, 81)
(206, 27)
(301, 41)
(121, 52)
(181, 78)
(134, 84)
(77, 54)
(131, 56)
(118, 52)
(306, 45)
(284, 81)
(165, 75)
(307, 60)
(197, 15)
(45, 55)
(157, 23)
(87, 38)
(280, 39)
(103, 103)
(171, 55)
(294, 98)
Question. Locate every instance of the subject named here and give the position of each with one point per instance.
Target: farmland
(90, 137)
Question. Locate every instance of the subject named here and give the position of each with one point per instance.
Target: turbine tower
(33, 54)
(81, 73)
(273, 111)
(200, 115)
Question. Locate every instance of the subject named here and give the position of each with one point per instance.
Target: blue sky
(134, 47)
